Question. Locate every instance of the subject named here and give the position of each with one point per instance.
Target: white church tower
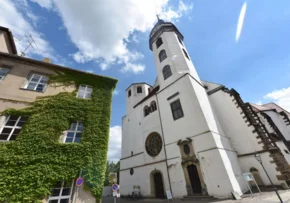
(171, 139)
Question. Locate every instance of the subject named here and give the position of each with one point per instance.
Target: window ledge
(30, 90)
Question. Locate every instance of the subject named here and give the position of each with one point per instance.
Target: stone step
(199, 198)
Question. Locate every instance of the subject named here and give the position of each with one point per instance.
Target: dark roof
(160, 27)
(138, 83)
(10, 38)
(151, 93)
(49, 65)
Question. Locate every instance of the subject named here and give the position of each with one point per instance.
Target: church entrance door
(194, 179)
(158, 184)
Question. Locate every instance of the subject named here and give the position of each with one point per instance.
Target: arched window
(185, 53)
(162, 55)
(159, 42)
(146, 111)
(179, 40)
(139, 89)
(153, 106)
(129, 93)
(166, 72)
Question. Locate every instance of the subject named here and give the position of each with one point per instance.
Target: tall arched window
(180, 41)
(153, 106)
(166, 72)
(185, 53)
(139, 89)
(159, 42)
(162, 55)
(129, 93)
(146, 111)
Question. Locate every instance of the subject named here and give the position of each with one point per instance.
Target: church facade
(189, 136)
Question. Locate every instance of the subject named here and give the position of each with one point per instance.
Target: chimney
(47, 60)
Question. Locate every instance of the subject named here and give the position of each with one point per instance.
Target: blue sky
(241, 44)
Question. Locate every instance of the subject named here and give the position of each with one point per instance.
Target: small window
(129, 93)
(186, 149)
(286, 151)
(3, 73)
(139, 89)
(153, 106)
(131, 171)
(37, 83)
(12, 127)
(75, 132)
(61, 192)
(162, 55)
(176, 110)
(159, 42)
(84, 92)
(166, 72)
(131, 153)
(185, 53)
(146, 111)
(180, 41)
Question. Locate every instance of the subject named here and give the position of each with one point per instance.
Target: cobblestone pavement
(264, 197)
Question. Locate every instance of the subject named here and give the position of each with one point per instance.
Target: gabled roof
(275, 106)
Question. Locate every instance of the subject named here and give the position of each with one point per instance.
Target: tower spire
(157, 17)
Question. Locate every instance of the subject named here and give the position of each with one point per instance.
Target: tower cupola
(160, 27)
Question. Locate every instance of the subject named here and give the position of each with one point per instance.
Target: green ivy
(36, 160)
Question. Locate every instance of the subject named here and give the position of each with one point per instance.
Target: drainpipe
(164, 145)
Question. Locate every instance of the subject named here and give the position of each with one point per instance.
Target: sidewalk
(264, 197)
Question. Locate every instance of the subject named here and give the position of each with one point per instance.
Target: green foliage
(111, 168)
(36, 160)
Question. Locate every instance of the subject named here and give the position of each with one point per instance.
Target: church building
(189, 136)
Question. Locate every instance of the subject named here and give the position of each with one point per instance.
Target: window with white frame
(12, 127)
(61, 192)
(36, 82)
(3, 72)
(75, 132)
(84, 91)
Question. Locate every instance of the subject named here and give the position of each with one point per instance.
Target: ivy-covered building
(54, 128)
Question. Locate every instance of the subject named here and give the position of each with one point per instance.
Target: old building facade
(33, 108)
(189, 136)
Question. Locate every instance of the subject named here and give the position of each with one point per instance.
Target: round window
(186, 149)
(153, 144)
(131, 171)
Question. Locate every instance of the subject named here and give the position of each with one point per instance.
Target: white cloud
(281, 97)
(90, 71)
(44, 3)
(241, 21)
(100, 29)
(116, 92)
(114, 153)
(12, 18)
(259, 103)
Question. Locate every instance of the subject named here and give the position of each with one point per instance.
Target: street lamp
(259, 159)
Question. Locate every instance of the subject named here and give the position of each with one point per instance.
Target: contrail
(241, 21)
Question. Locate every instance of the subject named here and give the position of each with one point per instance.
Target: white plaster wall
(141, 177)
(250, 161)
(278, 120)
(177, 179)
(283, 149)
(135, 97)
(193, 122)
(215, 174)
(4, 46)
(243, 140)
(175, 58)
